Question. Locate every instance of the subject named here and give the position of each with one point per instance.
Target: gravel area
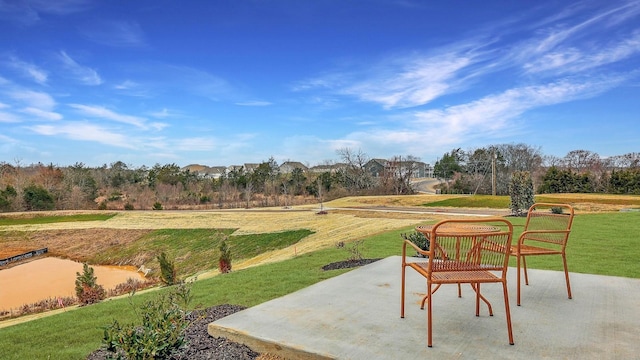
(202, 346)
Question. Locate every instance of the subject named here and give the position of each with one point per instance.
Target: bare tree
(356, 175)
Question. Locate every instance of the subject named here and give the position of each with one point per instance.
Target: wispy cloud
(34, 99)
(6, 117)
(47, 115)
(254, 103)
(32, 71)
(104, 113)
(84, 131)
(83, 74)
(27, 12)
(492, 114)
(115, 33)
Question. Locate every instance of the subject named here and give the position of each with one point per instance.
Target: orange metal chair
(462, 251)
(545, 233)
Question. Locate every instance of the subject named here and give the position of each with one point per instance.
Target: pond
(52, 277)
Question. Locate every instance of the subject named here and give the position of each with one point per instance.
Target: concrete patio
(357, 316)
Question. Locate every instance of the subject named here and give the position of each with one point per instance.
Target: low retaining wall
(23, 256)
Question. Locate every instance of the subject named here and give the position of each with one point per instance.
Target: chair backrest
(549, 223)
(470, 245)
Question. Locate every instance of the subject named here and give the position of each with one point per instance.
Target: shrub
(168, 272)
(557, 210)
(157, 206)
(102, 205)
(521, 193)
(224, 262)
(419, 239)
(355, 250)
(128, 206)
(87, 290)
(161, 333)
(38, 198)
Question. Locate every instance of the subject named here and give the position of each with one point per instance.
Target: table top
(454, 228)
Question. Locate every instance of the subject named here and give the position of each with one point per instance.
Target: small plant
(102, 205)
(161, 333)
(224, 261)
(557, 210)
(87, 290)
(168, 273)
(419, 239)
(157, 206)
(128, 206)
(355, 250)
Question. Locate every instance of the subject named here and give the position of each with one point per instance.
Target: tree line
(489, 169)
(477, 171)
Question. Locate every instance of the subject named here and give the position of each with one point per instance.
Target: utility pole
(493, 173)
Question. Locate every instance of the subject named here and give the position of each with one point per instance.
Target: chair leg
(524, 266)
(477, 288)
(429, 318)
(507, 312)
(402, 289)
(485, 301)
(518, 281)
(566, 274)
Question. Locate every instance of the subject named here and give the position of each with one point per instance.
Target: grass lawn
(600, 243)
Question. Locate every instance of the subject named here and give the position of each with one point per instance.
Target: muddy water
(53, 277)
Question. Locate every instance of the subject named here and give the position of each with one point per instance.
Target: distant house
(250, 167)
(287, 167)
(207, 172)
(378, 167)
(330, 168)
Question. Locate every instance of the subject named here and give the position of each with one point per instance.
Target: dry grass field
(348, 219)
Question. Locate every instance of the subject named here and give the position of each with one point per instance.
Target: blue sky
(230, 82)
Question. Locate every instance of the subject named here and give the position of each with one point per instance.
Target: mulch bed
(202, 346)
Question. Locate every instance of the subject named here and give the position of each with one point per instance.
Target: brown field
(366, 215)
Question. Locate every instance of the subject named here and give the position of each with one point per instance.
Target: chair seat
(534, 250)
(464, 277)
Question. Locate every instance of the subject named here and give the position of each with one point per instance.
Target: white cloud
(36, 99)
(6, 117)
(47, 115)
(417, 82)
(104, 113)
(254, 103)
(30, 70)
(84, 74)
(84, 131)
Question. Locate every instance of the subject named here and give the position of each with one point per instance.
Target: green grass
(503, 201)
(197, 249)
(6, 221)
(474, 201)
(605, 244)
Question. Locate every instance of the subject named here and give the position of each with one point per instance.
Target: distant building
(287, 167)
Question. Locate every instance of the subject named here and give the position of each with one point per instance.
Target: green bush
(157, 206)
(161, 333)
(168, 273)
(521, 193)
(128, 206)
(87, 289)
(419, 239)
(38, 198)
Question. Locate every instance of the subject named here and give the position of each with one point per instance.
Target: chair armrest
(415, 247)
